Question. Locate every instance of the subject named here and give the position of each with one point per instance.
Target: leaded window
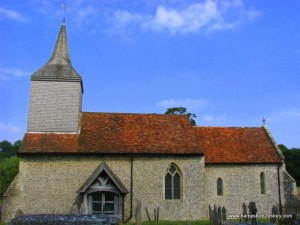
(104, 203)
(219, 186)
(262, 183)
(172, 183)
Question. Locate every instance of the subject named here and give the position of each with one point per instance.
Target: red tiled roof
(120, 133)
(49, 143)
(236, 145)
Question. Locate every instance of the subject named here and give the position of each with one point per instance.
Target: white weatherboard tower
(56, 92)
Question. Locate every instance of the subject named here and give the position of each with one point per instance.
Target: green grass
(202, 222)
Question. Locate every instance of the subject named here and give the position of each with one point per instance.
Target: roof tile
(120, 133)
(236, 145)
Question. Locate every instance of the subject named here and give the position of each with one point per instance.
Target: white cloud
(9, 73)
(187, 103)
(290, 114)
(207, 16)
(12, 15)
(189, 19)
(9, 128)
(123, 20)
(85, 14)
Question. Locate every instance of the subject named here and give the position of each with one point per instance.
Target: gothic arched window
(172, 183)
(219, 186)
(262, 183)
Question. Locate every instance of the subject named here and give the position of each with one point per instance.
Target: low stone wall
(64, 219)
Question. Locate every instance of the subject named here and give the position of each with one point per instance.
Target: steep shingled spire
(59, 66)
(56, 92)
(60, 54)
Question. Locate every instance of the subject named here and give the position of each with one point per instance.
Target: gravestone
(245, 213)
(274, 212)
(219, 214)
(253, 212)
(224, 214)
(138, 212)
(215, 215)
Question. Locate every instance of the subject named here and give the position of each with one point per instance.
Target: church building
(103, 163)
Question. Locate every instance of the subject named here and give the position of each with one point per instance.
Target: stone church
(103, 163)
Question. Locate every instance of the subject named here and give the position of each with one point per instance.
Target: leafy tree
(283, 148)
(182, 111)
(292, 161)
(9, 168)
(7, 149)
(9, 163)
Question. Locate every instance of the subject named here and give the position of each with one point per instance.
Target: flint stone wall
(241, 184)
(49, 184)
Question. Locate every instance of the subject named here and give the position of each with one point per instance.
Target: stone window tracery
(172, 183)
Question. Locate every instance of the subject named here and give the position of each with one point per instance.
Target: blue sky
(229, 62)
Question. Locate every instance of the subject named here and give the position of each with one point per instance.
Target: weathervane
(63, 6)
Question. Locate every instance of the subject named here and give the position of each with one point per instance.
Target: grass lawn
(204, 222)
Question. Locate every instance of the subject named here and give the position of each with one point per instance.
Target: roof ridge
(129, 113)
(216, 127)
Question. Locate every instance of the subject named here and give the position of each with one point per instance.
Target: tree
(292, 161)
(7, 149)
(9, 168)
(9, 163)
(182, 111)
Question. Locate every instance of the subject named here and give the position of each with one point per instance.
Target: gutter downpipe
(279, 188)
(131, 189)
